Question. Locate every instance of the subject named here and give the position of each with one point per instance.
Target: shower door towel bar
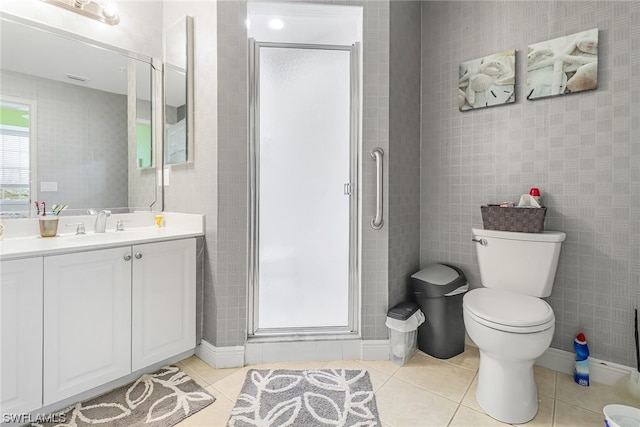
(377, 222)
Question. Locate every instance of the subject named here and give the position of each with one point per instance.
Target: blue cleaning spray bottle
(581, 372)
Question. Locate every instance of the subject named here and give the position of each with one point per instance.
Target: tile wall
(230, 289)
(404, 147)
(375, 124)
(581, 150)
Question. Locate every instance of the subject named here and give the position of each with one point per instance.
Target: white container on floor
(403, 321)
(621, 416)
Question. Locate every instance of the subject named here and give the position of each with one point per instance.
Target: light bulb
(110, 11)
(81, 3)
(276, 24)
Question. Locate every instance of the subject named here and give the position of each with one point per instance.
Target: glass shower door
(304, 171)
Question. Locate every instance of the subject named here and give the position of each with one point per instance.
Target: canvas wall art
(563, 65)
(488, 81)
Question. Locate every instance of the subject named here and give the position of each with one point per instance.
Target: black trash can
(439, 289)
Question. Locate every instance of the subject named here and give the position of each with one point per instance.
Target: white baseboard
(232, 357)
(294, 351)
(563, 361)
(258, 351)
(599, 370)
(375, 350)
(221, 357)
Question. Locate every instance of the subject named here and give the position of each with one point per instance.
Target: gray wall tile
(581, 150)
(404, 147)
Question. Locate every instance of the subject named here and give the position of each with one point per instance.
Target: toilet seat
(508, 311)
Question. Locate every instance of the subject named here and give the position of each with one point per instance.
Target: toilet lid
(515, 312)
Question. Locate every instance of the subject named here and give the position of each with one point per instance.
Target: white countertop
(22, 237)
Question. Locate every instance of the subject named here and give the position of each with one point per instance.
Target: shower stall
(304, 150)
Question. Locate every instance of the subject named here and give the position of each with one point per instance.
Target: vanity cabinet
(111, 312)
(21, 335)
(164, 301)
(87, 321)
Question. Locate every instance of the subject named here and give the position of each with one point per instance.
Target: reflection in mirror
(178, 79)
(143, 143)
(17, 152)
(91, 103)
(142, 116)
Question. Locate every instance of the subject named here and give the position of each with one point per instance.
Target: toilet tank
(519, 262)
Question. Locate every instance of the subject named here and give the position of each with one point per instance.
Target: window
(15, 155)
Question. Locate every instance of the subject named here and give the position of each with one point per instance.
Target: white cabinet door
(21, 335)
(164, 301)
(87, 321)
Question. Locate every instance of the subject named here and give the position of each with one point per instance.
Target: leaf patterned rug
(163, 398)
(326, 397)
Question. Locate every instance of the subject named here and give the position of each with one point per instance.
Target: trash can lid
(403, 311)
(437, 274)
(437, 280)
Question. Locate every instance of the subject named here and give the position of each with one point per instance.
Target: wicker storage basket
(524, 220)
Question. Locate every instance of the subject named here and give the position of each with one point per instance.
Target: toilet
(507, 319)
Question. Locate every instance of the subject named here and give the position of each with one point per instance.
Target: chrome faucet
(101, 221)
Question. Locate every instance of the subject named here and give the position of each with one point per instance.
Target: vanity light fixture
(106, 13)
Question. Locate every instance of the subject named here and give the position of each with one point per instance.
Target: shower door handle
(377, 222)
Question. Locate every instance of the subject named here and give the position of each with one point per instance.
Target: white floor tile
(439, 377)
(404, 405)
(469, 359)
(567, 415)
(466, 417)
(594, 397)
(424, 392)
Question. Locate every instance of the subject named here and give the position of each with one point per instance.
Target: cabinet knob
(127, 257)
(138, 255)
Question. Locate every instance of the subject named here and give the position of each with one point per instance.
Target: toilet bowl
(507, 319)
(511, 331)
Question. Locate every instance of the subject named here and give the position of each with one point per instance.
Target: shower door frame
(351, 187)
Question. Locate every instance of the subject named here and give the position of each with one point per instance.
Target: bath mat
(327, 397)
(163, 398)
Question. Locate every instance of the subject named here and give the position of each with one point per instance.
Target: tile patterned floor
(424, 392)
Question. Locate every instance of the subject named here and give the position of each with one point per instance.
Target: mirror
(76, 123)
(178, 83)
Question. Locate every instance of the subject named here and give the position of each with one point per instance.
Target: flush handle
(483, 242)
